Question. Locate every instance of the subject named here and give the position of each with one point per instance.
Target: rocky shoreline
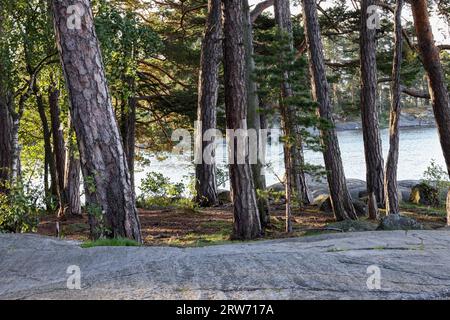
(407, 120)
(409, 191)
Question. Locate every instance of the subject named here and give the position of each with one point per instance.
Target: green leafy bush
(157, 185)
(157, 190)
(436, 177)
(19, 209)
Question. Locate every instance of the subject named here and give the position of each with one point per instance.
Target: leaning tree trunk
(295, 150)
(58, 148)
(436, 78)
(340, 197)
(208, 91)
(369, 111)
(246, 216)
(254, 121)
(110, 194)
(390, 182)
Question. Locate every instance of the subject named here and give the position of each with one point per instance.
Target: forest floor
(200, 227)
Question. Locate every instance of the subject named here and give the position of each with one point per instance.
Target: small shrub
(158, 191)
(19, 209)
(436, 177)
(157, 185)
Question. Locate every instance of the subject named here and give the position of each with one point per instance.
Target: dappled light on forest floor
(212, 226)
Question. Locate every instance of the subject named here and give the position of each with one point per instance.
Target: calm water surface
(418, 146)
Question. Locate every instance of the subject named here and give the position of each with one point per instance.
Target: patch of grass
(220, 234)
(76, 227)
(422, 209)
(200, 240)
(224, 226)
(151, 203)
(116, 242)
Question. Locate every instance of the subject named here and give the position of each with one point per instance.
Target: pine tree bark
(246, 216)
(208, 91)
(390, 181)
(295, 156)
(369, 110)
(103, 159)
(254, 120)
(436, 78)
(340, 197)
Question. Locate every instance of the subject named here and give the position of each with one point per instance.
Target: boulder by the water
(324, 203)
(360, 208)
(425, 194)
(399, 222)
(224, 196)
(276, 187)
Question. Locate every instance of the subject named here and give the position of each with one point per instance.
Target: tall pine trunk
(105, 169)
(208, 91)
(247, 223)
(52, 190)
(369, 110)
(58, 147)
(254, 120)
(436, 78)
(128, 129)
(5, 143)
(291, 130)
(340, 197)
(390, 182)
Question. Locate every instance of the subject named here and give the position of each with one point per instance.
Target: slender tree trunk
(340, 197)
(128, 129)
(390, 183)
(15, 167)
(5, 144)
(103, 159)
(436, 78)
(254, 120)
(369, 111)
(208, 91)
(49, 156)
(287, 164)
(58, 148)
(5, 125)
(247, 223)
(72, 175)
(296, 158)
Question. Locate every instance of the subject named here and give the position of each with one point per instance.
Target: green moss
(116, 242)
